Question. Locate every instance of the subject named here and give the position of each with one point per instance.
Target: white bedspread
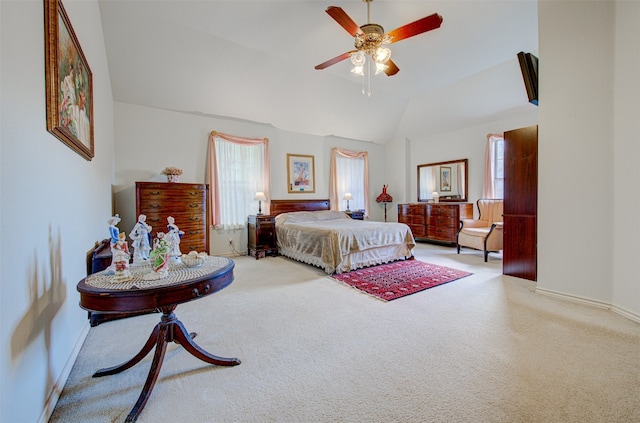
(336, 243)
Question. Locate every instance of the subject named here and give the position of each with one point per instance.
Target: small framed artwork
(445, 178)
(69, 83)
(300, 173)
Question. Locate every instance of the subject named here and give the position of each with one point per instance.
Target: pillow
(310, 216)
(330, 215)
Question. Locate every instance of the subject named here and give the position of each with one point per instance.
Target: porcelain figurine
(114, 235)
(141, 236)
(121, 258)
(174, 234)
(159, 258)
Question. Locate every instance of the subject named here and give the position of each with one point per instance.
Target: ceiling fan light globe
(382, 55)
(358, 59)
(380, 67)
(358, 70)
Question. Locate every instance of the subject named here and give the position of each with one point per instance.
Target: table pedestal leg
(170, 329)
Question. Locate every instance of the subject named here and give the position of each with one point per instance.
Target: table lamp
(260, 197)
(348, 196)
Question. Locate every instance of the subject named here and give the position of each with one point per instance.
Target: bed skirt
(355, 260)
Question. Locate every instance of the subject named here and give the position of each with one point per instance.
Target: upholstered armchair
(484, 233)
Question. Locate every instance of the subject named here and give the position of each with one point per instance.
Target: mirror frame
(446, 200)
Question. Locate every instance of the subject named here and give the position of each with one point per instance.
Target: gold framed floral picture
(69, 83)
(445, 178)
(300, 174)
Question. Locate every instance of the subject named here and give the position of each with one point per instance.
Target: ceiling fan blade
(391, 69)
(414, 28)
(335, 60)
(344, 20)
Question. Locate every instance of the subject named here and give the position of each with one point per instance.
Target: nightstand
(262, 236)
(356, 214)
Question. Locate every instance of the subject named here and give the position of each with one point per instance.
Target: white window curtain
(461, 178)
(428, 183)
(493, 181)
(238, 168)
(349, 173)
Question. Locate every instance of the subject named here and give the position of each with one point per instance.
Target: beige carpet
(485, 348)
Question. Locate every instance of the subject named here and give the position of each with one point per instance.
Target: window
(349, 174)
(493, 183)
(498, 169)
(238, 168)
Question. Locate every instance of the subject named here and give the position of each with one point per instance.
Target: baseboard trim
(54, 395)
(591, 302)
(626, 313)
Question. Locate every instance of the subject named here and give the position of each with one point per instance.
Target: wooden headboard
(285, 206)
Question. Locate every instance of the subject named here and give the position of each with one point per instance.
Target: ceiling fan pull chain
(369, 76)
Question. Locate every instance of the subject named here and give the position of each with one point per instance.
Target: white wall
(588, 149)
(626, 172)
(576, 148)
(54, 206)
(148, 140)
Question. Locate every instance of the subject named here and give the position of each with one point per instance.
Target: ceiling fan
(370, 38)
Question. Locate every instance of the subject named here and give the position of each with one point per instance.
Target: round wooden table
(99, 293)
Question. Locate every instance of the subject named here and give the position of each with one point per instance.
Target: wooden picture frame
(69, 83)
(445, 178)
(300, 174)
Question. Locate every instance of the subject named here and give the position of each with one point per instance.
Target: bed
(307, 231)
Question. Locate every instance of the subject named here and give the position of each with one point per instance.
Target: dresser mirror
(443, 181)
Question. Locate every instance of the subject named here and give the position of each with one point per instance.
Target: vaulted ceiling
(254, 60)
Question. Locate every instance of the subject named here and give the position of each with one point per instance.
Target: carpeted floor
(398, 279)
(485, 349)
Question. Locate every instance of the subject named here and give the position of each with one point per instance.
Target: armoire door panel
(519, 256)
(521, 171)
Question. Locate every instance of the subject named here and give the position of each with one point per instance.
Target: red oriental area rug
(398, 279)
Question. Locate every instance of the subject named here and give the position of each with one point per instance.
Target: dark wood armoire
(520, 203)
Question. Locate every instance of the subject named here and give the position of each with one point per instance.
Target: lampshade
(347, 196)
(384, 197)
(260, 196)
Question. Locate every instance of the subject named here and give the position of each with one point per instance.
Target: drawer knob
(205, 291)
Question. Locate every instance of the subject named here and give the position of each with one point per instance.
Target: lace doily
(177, 273)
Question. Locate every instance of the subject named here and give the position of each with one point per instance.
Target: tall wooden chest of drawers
(187, 203)
(438, 222)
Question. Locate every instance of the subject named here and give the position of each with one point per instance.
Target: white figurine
(114, 234)
(121, 258)
(140, 234)
(173, 239)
